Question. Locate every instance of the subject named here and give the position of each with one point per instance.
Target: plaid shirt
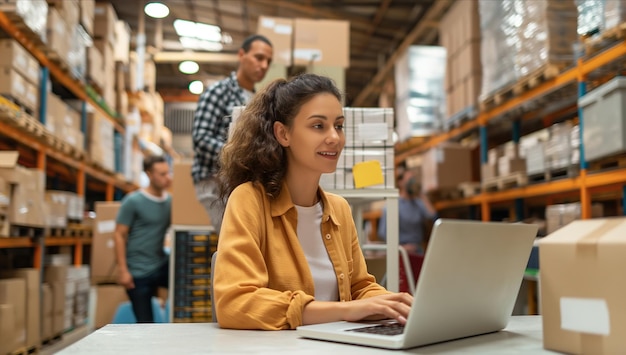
(210, 125)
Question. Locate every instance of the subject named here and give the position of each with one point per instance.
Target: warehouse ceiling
(380, 30)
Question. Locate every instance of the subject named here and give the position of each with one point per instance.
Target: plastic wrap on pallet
(420, 84)
(518, 37)
(614, 13)
(590, 15)
(33, 12)
(559, 147)
(77, 56)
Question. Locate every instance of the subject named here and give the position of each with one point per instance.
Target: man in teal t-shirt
(142, 221)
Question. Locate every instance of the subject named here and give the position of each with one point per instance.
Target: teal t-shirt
(147, 218)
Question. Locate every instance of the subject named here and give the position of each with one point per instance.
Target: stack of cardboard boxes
(459, 33)
(19, 75)
(64, 122)
(109, 295)
(321, 46)
(445, 167)
(24, 189)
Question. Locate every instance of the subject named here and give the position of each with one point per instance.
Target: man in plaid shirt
(212, 119)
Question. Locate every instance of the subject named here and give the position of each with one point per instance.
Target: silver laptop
(468, 285)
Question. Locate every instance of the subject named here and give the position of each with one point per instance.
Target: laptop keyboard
(382, 329)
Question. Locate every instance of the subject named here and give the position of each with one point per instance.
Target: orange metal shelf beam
(66, 241)
(33, 143)
(74, 86)
(16, 242)
(611, 180)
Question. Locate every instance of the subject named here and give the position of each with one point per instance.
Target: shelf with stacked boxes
(544, 93)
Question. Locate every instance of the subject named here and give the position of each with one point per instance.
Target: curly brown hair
(252, 153)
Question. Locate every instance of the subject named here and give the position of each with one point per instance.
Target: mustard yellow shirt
(262, 279)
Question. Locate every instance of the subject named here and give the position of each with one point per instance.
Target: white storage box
(604, 128)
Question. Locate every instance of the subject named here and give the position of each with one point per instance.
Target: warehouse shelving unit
(572, 82)
(49, 158)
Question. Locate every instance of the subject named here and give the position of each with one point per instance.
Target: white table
(522, 336)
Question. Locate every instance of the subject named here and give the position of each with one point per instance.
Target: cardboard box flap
(589, 231)
(8, 159)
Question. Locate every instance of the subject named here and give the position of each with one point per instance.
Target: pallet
(469, 189)
(10, 11)
(545, 72)
(608, 163)
(555, 174)
(538, 76)
(444, 194)
(53, 339)
(458, 119)
(26, 351)
(604, 39)
(16, 230)
(72, 230)
(499, 183)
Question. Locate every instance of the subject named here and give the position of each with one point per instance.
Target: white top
(523, 335)
(310, 236)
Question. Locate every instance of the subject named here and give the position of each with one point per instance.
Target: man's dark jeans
(145, 288)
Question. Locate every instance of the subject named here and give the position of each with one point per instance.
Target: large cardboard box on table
(103, 262)
(186, 209)
(582, 287)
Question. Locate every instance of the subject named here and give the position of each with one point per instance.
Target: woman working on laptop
(288, 252)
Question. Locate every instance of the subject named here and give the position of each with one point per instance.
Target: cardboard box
(186, 209)
(58, 35)
(95, 67)
(103, 261)
(13, 291)
(122, 43)
(32, 279)
(14, 85)
(446, 166)
(280, 32)
(561, 215)
(108, 299)
(104, 22)
(25, 193)
(14, 55)
(46, 311)
(582, 288)
(87, 14)
(321, 42)
(7, 328)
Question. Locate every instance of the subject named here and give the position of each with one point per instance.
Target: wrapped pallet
(519, 37)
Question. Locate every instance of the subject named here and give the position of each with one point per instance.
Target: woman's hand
(390, 306)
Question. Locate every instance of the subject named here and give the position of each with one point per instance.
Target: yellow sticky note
(367, 173)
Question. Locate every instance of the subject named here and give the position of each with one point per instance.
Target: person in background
(414, 211)
(142, 222)
(288, 252)
(212, 119)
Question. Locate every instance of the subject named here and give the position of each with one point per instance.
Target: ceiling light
(188, 67)
(156, 10)
(201, 31)
(196, 87)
